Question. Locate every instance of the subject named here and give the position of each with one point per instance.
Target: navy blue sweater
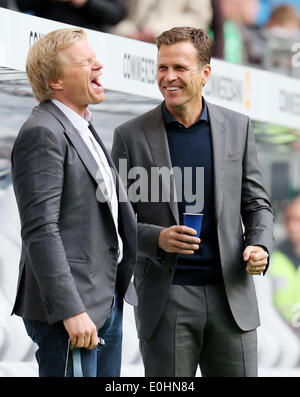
(192, 147)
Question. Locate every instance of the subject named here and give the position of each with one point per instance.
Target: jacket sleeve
(256, 211)
(108, 12)
(38, 178)
(103, 12)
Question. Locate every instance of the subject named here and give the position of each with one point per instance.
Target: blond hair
(45, 62)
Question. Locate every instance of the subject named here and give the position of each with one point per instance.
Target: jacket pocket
(76, 260)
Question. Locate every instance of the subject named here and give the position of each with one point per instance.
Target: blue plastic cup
(194, 221)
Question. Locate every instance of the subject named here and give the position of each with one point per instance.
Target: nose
(97, 65)
(170, 75)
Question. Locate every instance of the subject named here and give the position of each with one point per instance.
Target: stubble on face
(180, 79)
(179, 74)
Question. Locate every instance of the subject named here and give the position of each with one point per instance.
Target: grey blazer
(239, 198)
(69, 243)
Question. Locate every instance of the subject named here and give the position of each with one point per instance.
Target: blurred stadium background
(276, 118)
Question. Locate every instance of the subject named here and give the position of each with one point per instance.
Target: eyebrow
(177, 65)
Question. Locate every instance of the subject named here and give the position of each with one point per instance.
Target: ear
(56, 85)
(206, 74)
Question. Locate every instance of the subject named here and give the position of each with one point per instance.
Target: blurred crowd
(253, 32)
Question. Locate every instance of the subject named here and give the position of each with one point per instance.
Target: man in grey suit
(78, 230)
(197, 301)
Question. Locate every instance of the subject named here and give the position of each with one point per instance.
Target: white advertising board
(130, 66)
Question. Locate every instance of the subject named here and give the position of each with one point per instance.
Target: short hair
(198, 37)
(45, 62)
(284, 14)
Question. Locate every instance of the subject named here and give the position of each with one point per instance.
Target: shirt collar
(169, 118)
(80, 123)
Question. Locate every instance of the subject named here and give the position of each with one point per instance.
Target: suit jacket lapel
(122, 195)
(126, 216)
(98, 139)
(80, 146)
(156, 136)
(218, 125)
(157, 139)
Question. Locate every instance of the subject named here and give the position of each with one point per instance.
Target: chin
(98, 99)
(173, 103)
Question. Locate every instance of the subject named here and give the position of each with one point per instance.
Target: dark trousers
(52, 341)
(197, 328)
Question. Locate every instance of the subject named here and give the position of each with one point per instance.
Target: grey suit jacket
(69, 243)
(239, 198)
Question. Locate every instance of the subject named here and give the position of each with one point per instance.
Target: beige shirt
(161, 15)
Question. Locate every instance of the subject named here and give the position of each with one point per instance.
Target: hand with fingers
(256, 258)
(82, 331)
(179, 239)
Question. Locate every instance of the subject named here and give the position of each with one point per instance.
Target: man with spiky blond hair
(78, 240)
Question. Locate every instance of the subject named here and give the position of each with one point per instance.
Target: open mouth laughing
(95, 83)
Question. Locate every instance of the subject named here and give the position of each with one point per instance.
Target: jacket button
(171, 268)
(113, 250)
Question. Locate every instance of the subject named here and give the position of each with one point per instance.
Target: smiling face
(180, 77)
(79, 86)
